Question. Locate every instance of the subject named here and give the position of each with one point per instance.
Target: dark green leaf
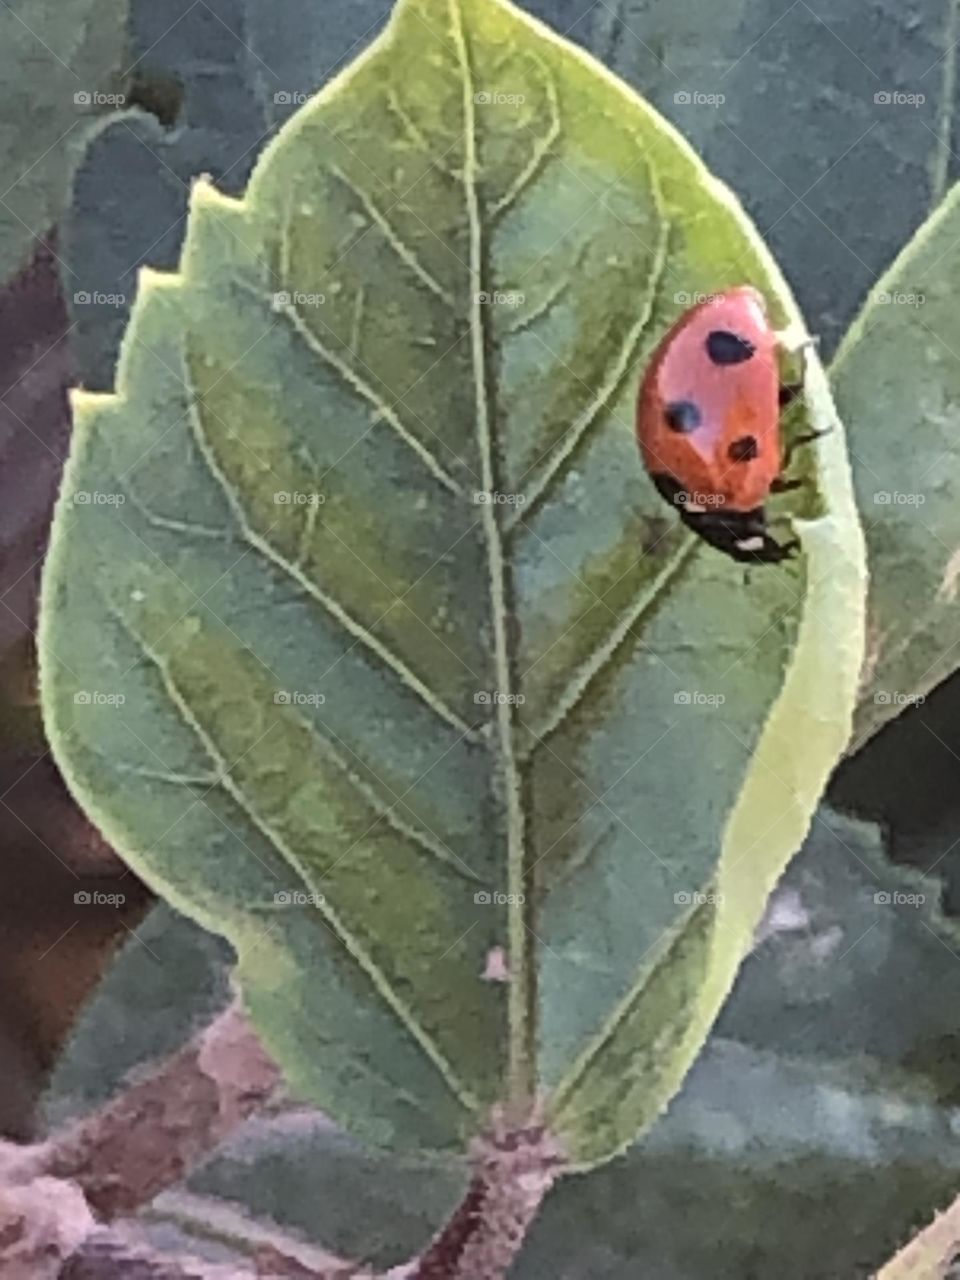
(897, 381)
(244, 66)
(60, 68)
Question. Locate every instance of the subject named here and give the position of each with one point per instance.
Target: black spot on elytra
(724, 347)
(682, 415)
(743, 450)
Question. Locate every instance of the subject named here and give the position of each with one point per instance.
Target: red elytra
(708, 423)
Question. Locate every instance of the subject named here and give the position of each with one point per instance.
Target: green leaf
(59, 67)
(897, 382)
(169, 980)
(464, 728)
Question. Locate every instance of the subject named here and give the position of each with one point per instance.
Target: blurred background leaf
(61, 66)
(240, 67)
(52, 953)
(897, 382)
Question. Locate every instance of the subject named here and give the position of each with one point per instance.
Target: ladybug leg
(782, 485)
(797, 441)
(790, 391)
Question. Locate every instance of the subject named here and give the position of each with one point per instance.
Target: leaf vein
(522, 989)
(541, 151)
(350, 943)
(363, 388)
(403, 251)
(601, 401)
(361, 634)
(585, 676)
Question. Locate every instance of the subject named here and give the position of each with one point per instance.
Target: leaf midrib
(522, 995)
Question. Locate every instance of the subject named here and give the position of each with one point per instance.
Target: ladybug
(708, 423)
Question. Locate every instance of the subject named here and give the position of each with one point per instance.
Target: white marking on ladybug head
(750, 544)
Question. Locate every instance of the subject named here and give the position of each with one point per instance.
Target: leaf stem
(195, 1099)
(930, 1254)
(512, 1172)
